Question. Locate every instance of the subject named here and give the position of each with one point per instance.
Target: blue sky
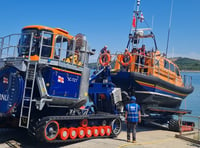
(107, 22)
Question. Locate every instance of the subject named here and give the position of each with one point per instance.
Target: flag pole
(134, 22)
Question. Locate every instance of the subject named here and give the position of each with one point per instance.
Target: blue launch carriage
(44, 67)
(44, 78)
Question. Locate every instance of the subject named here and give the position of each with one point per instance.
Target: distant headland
(185, 64)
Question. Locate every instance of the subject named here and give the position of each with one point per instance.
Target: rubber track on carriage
(41, 126)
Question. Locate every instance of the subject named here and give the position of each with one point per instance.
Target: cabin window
(172, 67)
(166, 64)
(25, 44)
(157, 62)
(177, 71)
(47, 44)
(60, 47)
(31, 39)
(70, 49)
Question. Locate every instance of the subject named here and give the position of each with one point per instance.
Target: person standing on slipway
(133, 116)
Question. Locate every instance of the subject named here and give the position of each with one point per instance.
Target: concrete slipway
(147, 137)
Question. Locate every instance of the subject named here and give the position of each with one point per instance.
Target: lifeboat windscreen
(31, 39)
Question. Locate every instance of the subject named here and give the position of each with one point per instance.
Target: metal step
(28, 87)
(27, 107)
(27, 100)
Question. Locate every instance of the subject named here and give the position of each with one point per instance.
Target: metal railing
(187, 81)
(191, 129)
(157, 67)
(66, 50)
(9, 46)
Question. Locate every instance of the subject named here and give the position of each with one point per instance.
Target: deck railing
(154, 65)
(10, 46)
(187, 81)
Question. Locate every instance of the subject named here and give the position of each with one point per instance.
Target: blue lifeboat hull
(150, 90)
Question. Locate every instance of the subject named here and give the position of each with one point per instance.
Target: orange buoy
(105, 59)
(124, 61)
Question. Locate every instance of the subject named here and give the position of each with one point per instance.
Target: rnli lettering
(70, 79)
(4, 97)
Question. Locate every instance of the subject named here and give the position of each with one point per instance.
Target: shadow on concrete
(15, 137)
(20, 138)
(142, 128)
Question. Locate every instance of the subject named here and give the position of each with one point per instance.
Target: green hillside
(92, 65)
(187, 64)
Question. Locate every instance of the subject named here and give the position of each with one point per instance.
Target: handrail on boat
(155, 64)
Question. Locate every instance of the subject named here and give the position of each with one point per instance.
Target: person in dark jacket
(104, 49)
(133, 116)
(141, 58)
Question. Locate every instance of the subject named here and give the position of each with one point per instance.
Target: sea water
(192, 101)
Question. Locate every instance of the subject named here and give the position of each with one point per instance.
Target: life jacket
(132, 112)
(142, 52)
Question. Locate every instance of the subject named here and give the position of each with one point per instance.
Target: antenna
(137, 13)
(152, 22)
(138, 5)
(170, 19)
(134, 21)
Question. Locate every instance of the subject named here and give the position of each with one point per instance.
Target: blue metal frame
(9, 97)
(100, 91)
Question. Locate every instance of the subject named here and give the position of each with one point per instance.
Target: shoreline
(190, 71)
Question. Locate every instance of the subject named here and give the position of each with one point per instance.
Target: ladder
(27, 95)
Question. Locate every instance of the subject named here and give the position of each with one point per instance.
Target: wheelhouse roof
(54, 30)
